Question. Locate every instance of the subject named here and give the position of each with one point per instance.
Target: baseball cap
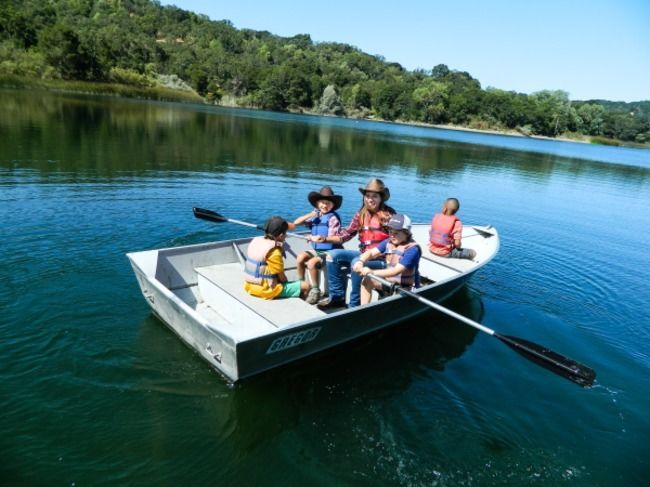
(399, 222)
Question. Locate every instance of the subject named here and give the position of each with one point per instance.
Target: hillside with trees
(154, 50)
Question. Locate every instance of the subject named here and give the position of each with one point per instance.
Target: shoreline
(512, 132)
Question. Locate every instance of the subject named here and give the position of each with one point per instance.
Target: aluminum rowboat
(197, 291)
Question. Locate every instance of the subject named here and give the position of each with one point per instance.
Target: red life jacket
(255, 265)
(440, 236)
(372, 231)
(393, 254)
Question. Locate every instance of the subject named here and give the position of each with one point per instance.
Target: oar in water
(213, 216)
(553, 361)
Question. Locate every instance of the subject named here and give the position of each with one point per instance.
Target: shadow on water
(382, 364)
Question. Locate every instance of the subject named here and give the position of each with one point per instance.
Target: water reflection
(261, 407)
(59, 133)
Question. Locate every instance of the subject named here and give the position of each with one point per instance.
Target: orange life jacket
(393, 254)
(440, 236)
(255, 265)
(372, 231)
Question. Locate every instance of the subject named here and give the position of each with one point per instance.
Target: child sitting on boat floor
(446, 232)
(324, 223)
(264, 267)
(402, 259)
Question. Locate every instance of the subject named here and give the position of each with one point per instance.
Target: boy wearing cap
(402, 258)
(264, 267)
(324, 223)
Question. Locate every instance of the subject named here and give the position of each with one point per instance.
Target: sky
(592, 49)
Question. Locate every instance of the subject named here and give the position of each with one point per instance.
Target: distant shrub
(487, 123)
(129, 77)
(24, 63)
(173, 82)
(526, 130)
(603, 141)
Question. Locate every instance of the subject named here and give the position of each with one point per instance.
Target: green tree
(591, 118)
(64, 51)
(440, 71)
(551, 113)
(430, 102)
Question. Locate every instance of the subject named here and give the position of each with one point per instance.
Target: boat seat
(222, 288)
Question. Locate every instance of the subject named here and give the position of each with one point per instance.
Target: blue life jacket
(320, 226)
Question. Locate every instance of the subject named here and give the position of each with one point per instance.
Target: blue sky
(589, 48)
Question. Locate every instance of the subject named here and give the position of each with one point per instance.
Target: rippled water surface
(96, 391)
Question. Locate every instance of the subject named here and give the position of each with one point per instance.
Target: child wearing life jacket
(370, 223)
(264, 267)
(401, 259)
(446, 232)
(324, 223)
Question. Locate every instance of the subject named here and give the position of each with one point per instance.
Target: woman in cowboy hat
(326, 223)
(370, 223)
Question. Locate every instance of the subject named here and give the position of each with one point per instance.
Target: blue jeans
(339, 262)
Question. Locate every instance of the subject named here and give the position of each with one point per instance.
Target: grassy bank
(159, 93)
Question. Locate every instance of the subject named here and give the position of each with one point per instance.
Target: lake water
(96, 391)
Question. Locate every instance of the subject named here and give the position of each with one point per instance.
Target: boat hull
(288, 345)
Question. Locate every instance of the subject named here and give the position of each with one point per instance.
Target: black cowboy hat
(325, 193)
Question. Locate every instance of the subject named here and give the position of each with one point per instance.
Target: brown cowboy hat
(377, 186)
(325, 193)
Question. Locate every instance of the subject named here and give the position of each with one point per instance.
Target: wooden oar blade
(553, 361)
(209, 215)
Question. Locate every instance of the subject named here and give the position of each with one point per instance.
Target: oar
(213, 216)
(553, 361)
(484, 233)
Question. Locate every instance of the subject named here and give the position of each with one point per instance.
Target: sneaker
(329, 303)
(313, 296)
(472, 254)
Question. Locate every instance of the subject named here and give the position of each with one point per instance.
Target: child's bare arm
(302, 219)
(367, 255)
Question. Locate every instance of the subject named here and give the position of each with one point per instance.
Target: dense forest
(148, 47)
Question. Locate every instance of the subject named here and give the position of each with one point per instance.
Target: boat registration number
(293, 340)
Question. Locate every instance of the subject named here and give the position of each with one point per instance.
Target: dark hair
(275, 226)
